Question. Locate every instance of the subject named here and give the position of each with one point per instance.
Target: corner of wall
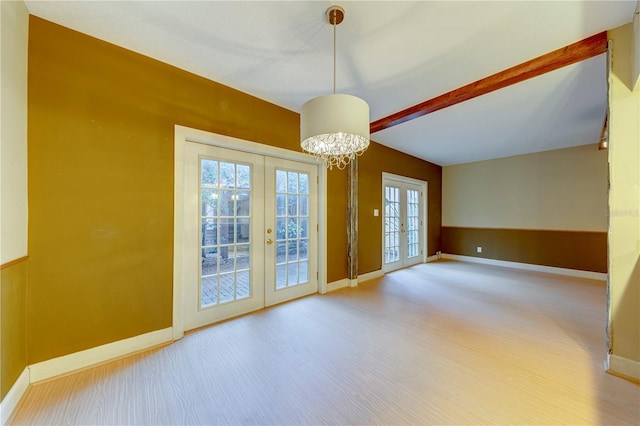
(14, 27)
(624, 207)
(13, 119)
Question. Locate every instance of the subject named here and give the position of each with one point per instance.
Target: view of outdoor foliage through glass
(225, 197)
(292, 228)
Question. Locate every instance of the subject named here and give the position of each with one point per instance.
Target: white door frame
(185, 134)
(424, 186)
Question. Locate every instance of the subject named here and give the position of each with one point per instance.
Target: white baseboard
(625, 367)
(13, 397)
(333, 286)
(78, 360)
(346, 282)
(432, 258)
(370, 276)
(529, 267)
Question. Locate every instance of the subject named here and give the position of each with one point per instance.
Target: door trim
(184, 134)
(424, 186)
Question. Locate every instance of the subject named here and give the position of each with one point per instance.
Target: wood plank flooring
(439, 343)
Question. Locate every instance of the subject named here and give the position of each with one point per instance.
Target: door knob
(269, 241)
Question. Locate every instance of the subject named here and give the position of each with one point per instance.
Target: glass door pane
(413, 223)
(292, 228)
(225, 223)
(391, 224)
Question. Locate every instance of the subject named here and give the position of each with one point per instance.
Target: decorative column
(352, 222)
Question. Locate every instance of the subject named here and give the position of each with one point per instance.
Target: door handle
(269, 241)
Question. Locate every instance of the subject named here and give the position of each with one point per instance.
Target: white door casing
(404, 222)
(187, 235)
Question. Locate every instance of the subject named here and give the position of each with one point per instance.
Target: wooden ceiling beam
(576, 52)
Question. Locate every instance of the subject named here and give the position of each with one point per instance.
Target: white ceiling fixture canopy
(335, 128)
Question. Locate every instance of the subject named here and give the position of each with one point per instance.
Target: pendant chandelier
(335, 128)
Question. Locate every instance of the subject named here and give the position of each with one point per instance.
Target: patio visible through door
(253, 235)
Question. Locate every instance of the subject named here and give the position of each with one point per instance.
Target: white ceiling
(393, 54)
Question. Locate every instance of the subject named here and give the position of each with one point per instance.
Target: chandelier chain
(334, 51)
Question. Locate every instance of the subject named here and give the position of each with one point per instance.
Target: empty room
(307, 212)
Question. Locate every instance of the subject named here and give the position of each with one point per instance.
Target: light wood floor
(440, 343)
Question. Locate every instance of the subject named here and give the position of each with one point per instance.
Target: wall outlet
(479, 249)
(376, 212)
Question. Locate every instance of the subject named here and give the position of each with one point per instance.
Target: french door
(250, 232)
(403, 234)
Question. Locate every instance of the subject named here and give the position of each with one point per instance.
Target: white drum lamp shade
(335, 128)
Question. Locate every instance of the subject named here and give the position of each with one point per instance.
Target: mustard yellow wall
(377, 159)
(337, 229)
(13, 316)
(101, 123)
(624, 207)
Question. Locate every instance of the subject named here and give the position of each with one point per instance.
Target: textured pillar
(352, 220)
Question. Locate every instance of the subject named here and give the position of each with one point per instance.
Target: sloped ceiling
(393, 54)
